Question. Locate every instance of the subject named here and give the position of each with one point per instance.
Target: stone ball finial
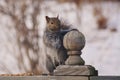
(74, 40)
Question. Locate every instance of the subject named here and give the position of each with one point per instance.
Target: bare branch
(27, 39)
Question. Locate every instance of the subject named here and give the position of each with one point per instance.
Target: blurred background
(22, 23)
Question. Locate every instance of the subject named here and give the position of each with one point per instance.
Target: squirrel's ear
(47, 18)
(58, 16)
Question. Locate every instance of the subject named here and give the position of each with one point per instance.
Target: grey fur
(54, 32)
(57, 54)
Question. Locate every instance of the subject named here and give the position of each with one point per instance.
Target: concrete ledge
(59, 78)
(105, 78)
(43, 78)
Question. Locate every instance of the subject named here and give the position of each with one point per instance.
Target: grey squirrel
(53, 40)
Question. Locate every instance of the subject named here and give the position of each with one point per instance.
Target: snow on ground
(102, 48)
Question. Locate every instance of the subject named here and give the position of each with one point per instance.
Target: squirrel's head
(53, 23)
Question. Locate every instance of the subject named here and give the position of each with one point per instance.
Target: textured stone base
(59, 78)
(85, 70)
(45, 78)
(104, 78)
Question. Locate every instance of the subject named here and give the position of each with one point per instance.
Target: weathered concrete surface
(105, 78)
(59, 78)
(43, 78)
(83, 70)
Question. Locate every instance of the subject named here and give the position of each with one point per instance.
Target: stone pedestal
(74, 42)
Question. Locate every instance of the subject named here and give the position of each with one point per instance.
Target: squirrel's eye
(51, 22)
